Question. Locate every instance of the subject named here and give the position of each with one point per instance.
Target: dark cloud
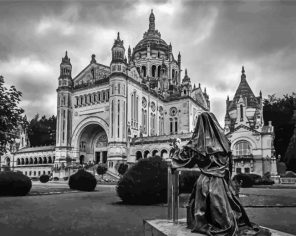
(215, 39)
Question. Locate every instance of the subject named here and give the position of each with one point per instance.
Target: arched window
(49, 159)
(31, 160)
(176, 125)
(26, 161)
(123, 120)
(118, 117)
(158, 71)
(155, 152)
(163, 153)
(22, 161)
(173, 74)
(18, 161)
(112, 118)
(132, 108)
(118, 88)
(44, 160)
(153, 69)
(40, 160)
(144, 71)
(241, 112)
(171, 126)
(242, 148)
(35, 160)
(138, 155)
(146, 154)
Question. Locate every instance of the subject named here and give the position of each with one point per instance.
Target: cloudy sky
(215, 39)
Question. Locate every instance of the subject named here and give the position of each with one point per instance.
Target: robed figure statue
(214, 207)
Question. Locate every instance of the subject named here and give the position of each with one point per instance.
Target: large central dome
(152, 38)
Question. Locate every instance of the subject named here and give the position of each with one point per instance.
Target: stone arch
(26, 161)
(40, 160)
(44, 160)
(35, 160)
(154, 152)
(139, 155)
(244, 138)
(163, 153)
(49, 159)
(83, 124)
(31, 160)
(146, 153)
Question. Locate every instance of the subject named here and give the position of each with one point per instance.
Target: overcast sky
(215, 39)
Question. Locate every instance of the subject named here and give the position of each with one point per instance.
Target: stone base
(168, 228)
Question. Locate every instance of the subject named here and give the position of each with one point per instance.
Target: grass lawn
(101, 213)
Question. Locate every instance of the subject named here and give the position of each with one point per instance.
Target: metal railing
(173, 191)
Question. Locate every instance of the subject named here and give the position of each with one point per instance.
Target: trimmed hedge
(14, 184)
(101, 169)
(83, 181)
(187, 179)
(244, 180)
(248, 180)
(44, 178)
(144, 183)
(122, 168)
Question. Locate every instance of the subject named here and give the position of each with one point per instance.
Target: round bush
(65, 178)
(122, 168)
(101, 169)
(56, 178)
(244, 180)
(44, 178)
(14, 184)
(83, 181)
(145, 182)
(187, 179)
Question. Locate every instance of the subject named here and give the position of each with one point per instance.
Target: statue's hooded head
(208, 137)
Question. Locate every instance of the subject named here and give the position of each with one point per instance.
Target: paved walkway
(100, 213)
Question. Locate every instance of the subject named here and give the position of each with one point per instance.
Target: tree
(10, 114)
(101, 169)
(42, 130)
(280, 112)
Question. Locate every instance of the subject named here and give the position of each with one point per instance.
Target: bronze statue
(214, 207)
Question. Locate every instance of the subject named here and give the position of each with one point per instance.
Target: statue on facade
(214, 207)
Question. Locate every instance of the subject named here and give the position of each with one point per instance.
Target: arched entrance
(93, 142)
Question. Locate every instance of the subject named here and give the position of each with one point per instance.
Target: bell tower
(64, 110)
(117, 150)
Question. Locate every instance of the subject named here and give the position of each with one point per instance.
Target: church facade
(251, 140)
(128, 110)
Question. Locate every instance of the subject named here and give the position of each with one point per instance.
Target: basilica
(134, 108)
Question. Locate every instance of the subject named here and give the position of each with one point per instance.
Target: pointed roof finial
(118, 36)
(186, 72)
(243, 76)
(260, 94)
(151, 21)
(199, 85)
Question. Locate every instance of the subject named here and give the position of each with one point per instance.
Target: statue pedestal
(168, 228)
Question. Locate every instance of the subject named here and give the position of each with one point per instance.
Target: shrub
(122, 168)
(83, 181)
(187, 180)
(145, 182)
(34, 178)
(55, 178)
(66, 178)
(44, 178)
(244, 180)
(290, 174)
(101, 169)
(14, 184)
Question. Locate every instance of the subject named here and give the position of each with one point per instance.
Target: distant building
(251, 140)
